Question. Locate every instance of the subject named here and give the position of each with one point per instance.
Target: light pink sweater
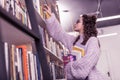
(85, 66)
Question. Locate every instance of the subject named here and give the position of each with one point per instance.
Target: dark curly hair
(89, 23)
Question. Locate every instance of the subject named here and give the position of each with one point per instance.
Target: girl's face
(79, 25)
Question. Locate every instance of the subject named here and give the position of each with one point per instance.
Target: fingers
(46, 8)
(47, 11)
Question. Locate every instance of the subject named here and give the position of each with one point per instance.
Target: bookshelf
(20, 33)
(28, 35)
(52, 56)
(54, 50)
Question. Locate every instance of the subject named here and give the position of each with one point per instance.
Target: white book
(37, 5)
(35, 67)
(12, 5)
(53, 71)
(54, 48)
(32, 67)
(20, 68)
(7, 6)
(17, 9)
(51, 44)
(6, 57)
(28, 22)
(2, 3)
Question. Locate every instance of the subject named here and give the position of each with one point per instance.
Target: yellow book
(78, 51)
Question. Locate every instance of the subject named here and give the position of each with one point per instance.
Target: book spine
(38, 67)
(6, 57)
(2, 3)
(35, 67)
(13, 62)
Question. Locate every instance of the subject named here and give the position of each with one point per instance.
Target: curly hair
(89, 23)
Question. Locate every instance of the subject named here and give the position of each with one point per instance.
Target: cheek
(80, 26)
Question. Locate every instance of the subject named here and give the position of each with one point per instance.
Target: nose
(74, 25)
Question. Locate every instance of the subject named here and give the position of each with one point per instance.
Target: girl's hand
(47, 11)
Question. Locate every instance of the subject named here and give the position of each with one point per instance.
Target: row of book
(39, 4)
(59, 51)
(57, 71)
(21, 63)
(18, 9)
(55, 47)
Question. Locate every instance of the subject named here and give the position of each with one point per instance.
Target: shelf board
(61, 79)
(17, 23)
(40, 20)
(54, 57)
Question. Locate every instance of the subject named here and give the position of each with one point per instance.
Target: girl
(85, 46)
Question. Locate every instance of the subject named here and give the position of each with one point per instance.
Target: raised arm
(82, 67)
(55, 30)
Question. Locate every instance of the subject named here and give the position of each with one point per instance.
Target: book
(78, 52)
(25, 62)
(38, 67)
(37, 5)
(6, 54)
(20, 63)
(6, 50)
(35, 67)
(32, 67)
(13, 73)
(2, 3)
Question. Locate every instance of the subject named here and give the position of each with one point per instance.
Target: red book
(24, 61)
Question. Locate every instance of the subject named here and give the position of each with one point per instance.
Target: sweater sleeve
(81, 68)
(55, 30)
